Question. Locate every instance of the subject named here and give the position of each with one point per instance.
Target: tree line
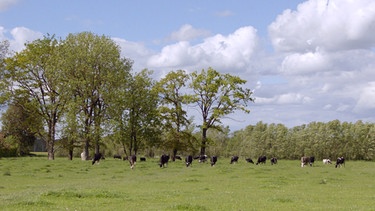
(79, 94)
(354, 141)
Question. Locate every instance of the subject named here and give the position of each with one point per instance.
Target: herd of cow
(310, 161)
(164, 159)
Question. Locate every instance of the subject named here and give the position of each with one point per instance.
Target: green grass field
(34, 183)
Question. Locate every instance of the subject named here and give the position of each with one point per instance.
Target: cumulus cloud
(5, 4)
(228, 52)
(305, 63)
(339, 25)
(19, 36)
(187, 32)
(137, 52)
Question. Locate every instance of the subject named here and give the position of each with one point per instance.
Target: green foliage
(94, 72)
(33, 74)
(173, 115)
(322, 140)
(21, 127)
(216, 96)
(135, 115)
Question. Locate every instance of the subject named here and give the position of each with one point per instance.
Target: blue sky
(306, 61)
(150, 22)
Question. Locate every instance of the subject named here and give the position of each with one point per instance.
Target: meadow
(35, 183)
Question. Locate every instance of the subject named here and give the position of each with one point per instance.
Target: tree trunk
(70, 156)
(51, 141)
(86, 149)
(204, 141)
(174, 154)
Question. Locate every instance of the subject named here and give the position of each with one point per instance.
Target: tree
(135, 113)
(33, 73)
(21, 125)
(174, 116)
(4, 46)
(94, 71)
(217, 95)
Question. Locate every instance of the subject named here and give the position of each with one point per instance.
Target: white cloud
(5, 4)
(21, 36)
(187, 32)
(340, 25)
(305, 63)
(232, 52)
(134, 51)
(284, 99)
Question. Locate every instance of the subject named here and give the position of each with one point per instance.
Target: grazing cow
(177, 157)
(164, 160)
(83, 156)
(273, 160)
(189, 160)
(327, 161)
(307, 160)
(117, 157)
(249, 160)
(340, 161)
(142, 159)
(213, 160)
(233, 159)
(262, 159)
(97, 158)
(202, 158)
(133, 161)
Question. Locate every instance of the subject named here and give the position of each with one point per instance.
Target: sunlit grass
(34, 183)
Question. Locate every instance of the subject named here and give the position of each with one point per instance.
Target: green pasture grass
(35, 183)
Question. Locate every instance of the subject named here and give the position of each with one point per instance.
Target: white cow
(327, 161)
(83, 156)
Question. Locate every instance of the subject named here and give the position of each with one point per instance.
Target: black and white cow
(307, 160)
(142, 159)
(262, 159)
(177, 157)
(327, 161)
(133, 161)
(203, 158)
(273, 160)
(97, 158)
(213, 160)
(340, 162)
(164, 160)
(189, 160)
(249, 160)
(234, 159)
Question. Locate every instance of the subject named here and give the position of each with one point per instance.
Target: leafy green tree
(217, 95)
(174, 116)
(33, 73)
(21, 126)
(135, 114)
(93, 72)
